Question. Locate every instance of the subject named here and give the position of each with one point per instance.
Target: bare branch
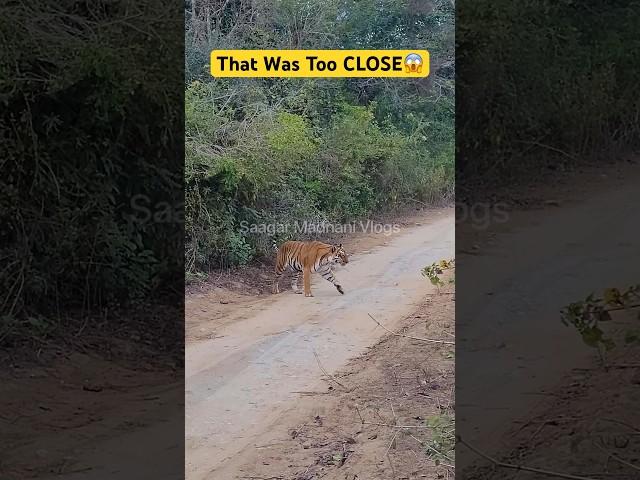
(327, 373)
(524, 468)
(430, 340)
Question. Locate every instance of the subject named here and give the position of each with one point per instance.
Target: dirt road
(239, 382)
(512, 349)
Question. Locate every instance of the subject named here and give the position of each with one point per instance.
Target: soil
(53, 416)
(251, 365)
(62, 397)
(554, 408)
(590, 428)
(351, 427)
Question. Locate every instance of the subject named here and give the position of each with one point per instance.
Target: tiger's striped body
(307, 258)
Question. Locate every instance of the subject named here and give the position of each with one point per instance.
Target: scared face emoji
(413, 63)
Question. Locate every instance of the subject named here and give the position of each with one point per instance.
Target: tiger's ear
(333, 249)
(340, 246)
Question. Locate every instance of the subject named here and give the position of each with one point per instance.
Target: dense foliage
(91, 115)
(277, 151)
(545, 80)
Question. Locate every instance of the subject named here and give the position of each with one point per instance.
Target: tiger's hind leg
(276, 283)
(294, 282)
(329, 276)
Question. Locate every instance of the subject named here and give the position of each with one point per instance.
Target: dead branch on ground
(327, 374)
(523, 468)
(429, 340)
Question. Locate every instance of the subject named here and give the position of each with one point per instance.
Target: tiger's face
(339, 255)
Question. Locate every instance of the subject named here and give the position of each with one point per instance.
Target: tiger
(306, 258)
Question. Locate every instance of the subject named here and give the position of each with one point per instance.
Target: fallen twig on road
(524, 468)
(394, 426)
(430, 340)
(613, 456)
(327, 373)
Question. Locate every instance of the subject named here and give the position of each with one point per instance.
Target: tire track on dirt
(238, 384)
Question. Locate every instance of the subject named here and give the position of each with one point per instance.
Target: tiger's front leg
(306, 277)
(329, 276)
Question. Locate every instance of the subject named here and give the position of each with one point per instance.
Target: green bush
(281, 151)
(545, 82)
(78, 88)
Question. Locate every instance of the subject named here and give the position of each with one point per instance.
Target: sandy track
(512, 349)
(240, 382)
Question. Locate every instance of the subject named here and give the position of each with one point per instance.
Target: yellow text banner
(320, 63)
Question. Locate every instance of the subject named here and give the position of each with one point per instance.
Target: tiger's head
(339, 255)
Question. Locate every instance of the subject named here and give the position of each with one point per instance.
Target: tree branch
(430, 340)
(524, 468)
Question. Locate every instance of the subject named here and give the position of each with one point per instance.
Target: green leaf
(612, 296)
(592, 336)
